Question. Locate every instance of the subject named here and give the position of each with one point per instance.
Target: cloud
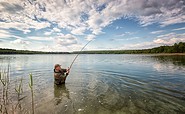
(38, 38)
(169, 39)
(121, 35)
(125, 34)
(47, 48)
(25, 25)
(183, 28)
(78, 31)
(11, 8)
(157, 32)
(60, 48)
(172, 34)
(118, 27)
(4, 34)
(130, 38)
(79, 16)
(19, 41)
(85, 17)
(166, 39)
(66, 40)
(90, 37)
(26, 31)
(47, 33)
(56, 30)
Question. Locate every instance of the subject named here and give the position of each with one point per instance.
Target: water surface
(106, 84)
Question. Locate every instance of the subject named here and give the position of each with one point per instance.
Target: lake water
(101, 84)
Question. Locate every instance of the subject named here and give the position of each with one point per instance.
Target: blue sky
(65, 25)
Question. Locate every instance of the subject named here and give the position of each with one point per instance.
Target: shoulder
(63, 70)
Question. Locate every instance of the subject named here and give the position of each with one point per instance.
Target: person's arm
(66, 71)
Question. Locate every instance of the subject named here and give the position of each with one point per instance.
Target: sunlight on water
(106, 84)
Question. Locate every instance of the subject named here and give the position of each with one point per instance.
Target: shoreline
(159, 54)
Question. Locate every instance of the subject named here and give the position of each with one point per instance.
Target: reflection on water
(169, 63)
(60, 92)
(175, 60)
(104, 84)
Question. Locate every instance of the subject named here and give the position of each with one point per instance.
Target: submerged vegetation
(176, 48)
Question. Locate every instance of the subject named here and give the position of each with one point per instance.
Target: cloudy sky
(67, 25)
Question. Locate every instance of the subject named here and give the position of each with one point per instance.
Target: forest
(176, 48)
(13, 51)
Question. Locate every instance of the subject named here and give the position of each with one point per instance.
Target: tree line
(13, 51)
(176, 48)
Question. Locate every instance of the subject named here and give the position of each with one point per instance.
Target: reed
(32, 93)
(19, 91)
(4, 79)
(7, 104)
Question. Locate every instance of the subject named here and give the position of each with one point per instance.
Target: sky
(67, 25)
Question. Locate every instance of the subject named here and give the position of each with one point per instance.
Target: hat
(56, 65)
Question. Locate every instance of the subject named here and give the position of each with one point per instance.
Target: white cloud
(183, 28)
(169, 39)
(125, 34)
(90, 37)
(46, 48)
(88, 16)
(79, 16)
(144, 45)
(157, 32)
(37, 38)
(130, 38)
(24, 26)
(56, 30)
(166, 39)
(4, 34)
(118, 27)
(78, 31)
(47, 33)
(93, 15)
(66, 40)
(60, 48)
(26, 31)
(19, 41)
(121, 35)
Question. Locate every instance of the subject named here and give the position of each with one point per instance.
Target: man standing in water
(60, 74)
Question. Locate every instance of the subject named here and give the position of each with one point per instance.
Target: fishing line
(78, 54)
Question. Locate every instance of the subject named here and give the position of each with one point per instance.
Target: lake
(100, 83)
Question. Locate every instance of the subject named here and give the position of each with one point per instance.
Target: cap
(56, 65)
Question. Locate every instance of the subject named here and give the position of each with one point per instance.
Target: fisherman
(60, 74)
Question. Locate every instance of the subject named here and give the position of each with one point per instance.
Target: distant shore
(167, 54)
(154, 54)
(176, 49)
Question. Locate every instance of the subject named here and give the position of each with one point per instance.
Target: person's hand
(68, 70)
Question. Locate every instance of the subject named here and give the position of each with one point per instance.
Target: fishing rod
(79, 53)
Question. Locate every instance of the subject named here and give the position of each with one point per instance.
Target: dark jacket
(60, 76)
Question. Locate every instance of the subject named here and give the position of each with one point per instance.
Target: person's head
(57, 67)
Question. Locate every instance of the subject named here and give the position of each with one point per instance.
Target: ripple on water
(102, 84)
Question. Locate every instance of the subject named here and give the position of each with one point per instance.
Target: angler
(61, 74)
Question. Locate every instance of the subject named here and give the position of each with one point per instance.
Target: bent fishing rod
(79, 53)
